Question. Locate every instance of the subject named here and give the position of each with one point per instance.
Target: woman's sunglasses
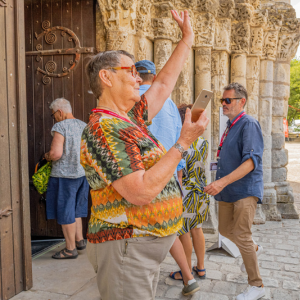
(228, 100)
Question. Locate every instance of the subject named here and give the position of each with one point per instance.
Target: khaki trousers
(129, 269)
(235, 221)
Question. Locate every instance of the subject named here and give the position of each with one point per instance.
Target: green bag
(41, 177)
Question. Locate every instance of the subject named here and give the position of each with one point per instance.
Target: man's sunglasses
(228, 100)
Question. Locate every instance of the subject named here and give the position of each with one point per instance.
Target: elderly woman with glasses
(137, 205)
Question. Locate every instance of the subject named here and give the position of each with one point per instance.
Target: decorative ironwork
(50, 35)
(5, 213)
(46, 25)
(46, 80)
(3, 3)
(50, 38)
(39, 47)
(50, 66)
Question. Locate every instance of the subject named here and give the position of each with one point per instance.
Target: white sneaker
(258, 253)
(252, 293)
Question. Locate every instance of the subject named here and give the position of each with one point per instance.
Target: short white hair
(62, 104)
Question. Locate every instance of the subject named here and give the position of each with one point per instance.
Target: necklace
(108, 108)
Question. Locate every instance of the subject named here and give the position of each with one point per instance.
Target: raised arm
(141, 187)
(164, 84)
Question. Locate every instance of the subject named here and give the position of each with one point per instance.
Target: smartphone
(200, 104)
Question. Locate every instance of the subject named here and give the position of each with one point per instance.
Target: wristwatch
(181, 150)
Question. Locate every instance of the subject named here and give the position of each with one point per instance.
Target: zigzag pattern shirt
(110, 149)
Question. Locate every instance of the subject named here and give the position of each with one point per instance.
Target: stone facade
(248, 41)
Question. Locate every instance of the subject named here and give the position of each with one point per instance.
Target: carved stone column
(287, 46)
(265, 115)
(257, 22)
(204, 28)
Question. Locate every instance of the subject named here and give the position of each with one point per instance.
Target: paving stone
(266, 245)
(212, 266)
(292, 237)
(174, 293)
(238, 278)
(275, 252)
(222, 286)
(280, 294)
(213, 274)
(205, 285)
(291, 285)
(285, 275)
(230, 268)
(38, 295)
(172, 282)
(161, 290)
(267, 295)
(266, 257)
(295, 254)
(168, 268)
(271, 265)
(285, 247)
(270, 282)
(294, 242)
(288, 260)
(222, 259)
(276, 241)
(264, 272)
(208, 296)
(292, 268)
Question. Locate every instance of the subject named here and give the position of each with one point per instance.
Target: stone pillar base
(269, 206)
(288, 210)
(259, 217)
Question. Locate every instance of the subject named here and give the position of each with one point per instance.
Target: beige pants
(129, 269)
(235, 221)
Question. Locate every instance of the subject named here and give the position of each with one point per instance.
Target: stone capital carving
(162, 8)
(164, 28)
(270, 45)
(240, 37)
(118, 15)
(287, 45)
(115, 39)
(162, 52)
(243, 12)
(226, 9)
(256, 41)
(259, 18)
(143, 19)
(207, 6)
(222, 35)
(204, 29)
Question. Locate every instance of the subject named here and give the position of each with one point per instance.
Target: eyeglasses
(132, 69)
(52, 115)
(228, 100)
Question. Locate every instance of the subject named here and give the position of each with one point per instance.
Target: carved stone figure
(240, 37)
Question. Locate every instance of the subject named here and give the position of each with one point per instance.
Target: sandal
(63, 254)
(195, 269)
(173, 275)
(80, 245)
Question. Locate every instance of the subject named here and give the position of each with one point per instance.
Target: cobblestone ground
(279, 263)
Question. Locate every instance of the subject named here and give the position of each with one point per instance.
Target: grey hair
(62, 104)
(100, 61)
(239, 90)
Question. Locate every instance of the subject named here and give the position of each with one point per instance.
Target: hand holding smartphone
(200, 104)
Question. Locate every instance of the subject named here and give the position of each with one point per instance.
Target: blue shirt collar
(229, 123)
(144, 87)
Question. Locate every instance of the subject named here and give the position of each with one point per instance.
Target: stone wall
(248, 41)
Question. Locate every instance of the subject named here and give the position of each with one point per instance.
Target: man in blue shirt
(239, 183)
(166, 125)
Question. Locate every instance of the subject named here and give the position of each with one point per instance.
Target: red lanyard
(108, 112)
(224, 136)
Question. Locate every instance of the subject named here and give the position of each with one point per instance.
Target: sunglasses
(132, 69)
(228, 100)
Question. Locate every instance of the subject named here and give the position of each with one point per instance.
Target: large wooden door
(59, 37)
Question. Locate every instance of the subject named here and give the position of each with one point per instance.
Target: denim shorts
(67, 199)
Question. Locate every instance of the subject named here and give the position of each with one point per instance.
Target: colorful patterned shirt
(110, 149)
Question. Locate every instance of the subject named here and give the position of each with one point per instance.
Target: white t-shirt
(68, 166)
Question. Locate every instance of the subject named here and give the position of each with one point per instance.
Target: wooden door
(59, 37)
(15, 250)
